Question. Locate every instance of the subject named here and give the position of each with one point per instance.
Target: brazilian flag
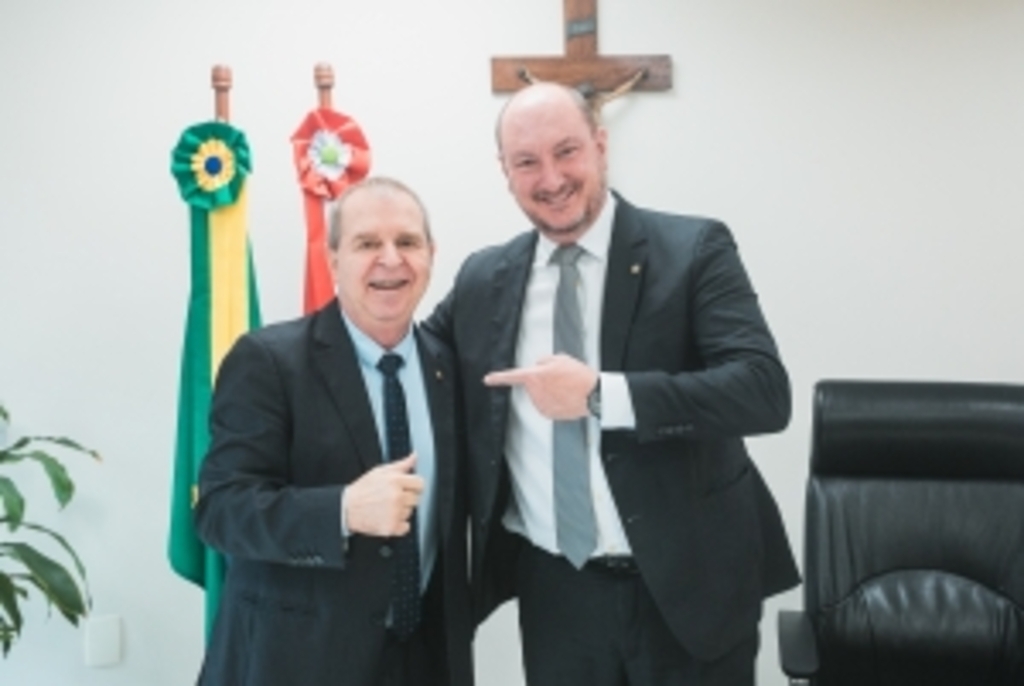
(210, 163)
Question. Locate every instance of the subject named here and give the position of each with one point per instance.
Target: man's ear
(332, 265)
(601, 139)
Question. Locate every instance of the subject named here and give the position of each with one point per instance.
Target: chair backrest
(914, 533)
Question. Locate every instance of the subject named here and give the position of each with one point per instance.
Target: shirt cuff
(344, 523)
(616, 402)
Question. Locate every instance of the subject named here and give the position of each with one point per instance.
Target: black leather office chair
(914, 538)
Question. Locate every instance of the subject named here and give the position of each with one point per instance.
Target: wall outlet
(103, 641)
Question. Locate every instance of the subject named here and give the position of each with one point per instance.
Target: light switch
(103, 641)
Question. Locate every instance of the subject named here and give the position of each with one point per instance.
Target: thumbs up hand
(381, 501)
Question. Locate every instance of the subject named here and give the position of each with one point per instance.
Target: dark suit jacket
(291, 424)
(682, 322)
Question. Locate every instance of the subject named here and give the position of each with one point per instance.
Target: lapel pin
(635, 269)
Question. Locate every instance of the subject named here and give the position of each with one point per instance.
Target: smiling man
(331, 481)
(612, 360)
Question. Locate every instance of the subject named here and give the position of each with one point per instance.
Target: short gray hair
(375, 183)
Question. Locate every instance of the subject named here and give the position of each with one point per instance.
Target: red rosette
(330, 153)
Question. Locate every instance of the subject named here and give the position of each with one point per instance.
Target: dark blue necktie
(405, 593)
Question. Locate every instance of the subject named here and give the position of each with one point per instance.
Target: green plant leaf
(7, 636)
(67, 443)
(9, 593)
(71, 617)
(51, 578)
(60, 482)
(13, 503)
(79, 567)
(10, 617)
(23, 566)
(7, 454)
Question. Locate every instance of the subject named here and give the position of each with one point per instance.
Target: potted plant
(22, 567)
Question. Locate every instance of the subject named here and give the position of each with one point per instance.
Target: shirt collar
(370, 351)
(594, 241)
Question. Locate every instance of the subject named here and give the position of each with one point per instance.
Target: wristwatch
(594, 399)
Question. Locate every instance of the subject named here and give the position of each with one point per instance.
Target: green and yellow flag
(210, 163)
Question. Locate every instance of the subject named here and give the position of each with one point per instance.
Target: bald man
(612, 361)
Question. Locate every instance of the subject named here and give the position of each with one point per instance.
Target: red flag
(330, 154)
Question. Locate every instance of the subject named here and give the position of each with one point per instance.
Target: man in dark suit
(610, 489)
(331, 483)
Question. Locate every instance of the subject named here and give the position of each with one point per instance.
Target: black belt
(619, 565)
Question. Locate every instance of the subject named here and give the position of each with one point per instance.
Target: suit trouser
(599, 627)
(419, 660)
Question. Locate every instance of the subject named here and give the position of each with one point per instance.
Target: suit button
(632, 519)
(385, 551)
(611, 457)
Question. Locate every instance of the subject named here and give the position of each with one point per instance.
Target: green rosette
(210, 163)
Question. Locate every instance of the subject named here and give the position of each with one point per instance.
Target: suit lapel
(508, 291)
(335, 359)
(627, 264)
(437, 380)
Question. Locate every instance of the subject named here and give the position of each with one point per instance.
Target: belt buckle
(620, 565)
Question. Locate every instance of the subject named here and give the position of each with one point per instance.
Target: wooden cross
(599, 78)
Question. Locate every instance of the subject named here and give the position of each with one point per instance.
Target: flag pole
(210, 164)
(220, 78)
(323, 77)
(330, 153)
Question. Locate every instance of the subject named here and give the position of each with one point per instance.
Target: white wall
(868, 154)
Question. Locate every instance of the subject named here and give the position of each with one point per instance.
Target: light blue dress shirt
(421, 431)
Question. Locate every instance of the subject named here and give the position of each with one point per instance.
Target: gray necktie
(574, 508)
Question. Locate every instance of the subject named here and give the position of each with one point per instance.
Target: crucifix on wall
(599, 78)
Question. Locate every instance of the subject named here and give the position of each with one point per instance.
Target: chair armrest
(798, 645)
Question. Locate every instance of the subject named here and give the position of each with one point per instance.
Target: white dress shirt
(528, 446)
